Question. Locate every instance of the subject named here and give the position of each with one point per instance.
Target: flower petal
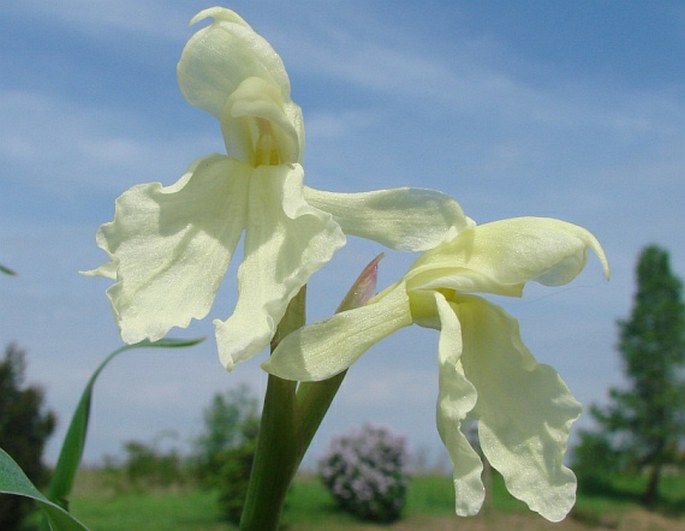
(500, 257)
(524, 409)
(324, 349)
(401, 218)
(456, 398)
(170, 246)
(222, 55)
(286, 241)
(224, 68)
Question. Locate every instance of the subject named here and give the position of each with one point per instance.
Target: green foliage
(596, 461)
(234, 478)
(643, 426)
(230, 421)
(75, 439)
(225, 450)
(13, 481)
(12, 478)
(24, 430)
(146, 466)
(6, 270)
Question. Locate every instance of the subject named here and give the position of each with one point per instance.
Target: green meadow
(429, 506)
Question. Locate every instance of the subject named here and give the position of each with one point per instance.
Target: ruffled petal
(286, 241)
(170, 246)
(401, 218)
(324, 349)
(500, 257)
(456, 398)
(524, 409)
(232, 72)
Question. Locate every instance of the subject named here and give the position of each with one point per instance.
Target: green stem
(314, 398)
(313, 401)
(291, 416)
(277, 455)
(275, 461)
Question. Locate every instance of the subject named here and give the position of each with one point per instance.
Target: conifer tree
(644, 424)
(24, 429)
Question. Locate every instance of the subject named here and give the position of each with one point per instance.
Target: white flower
(524, 410)
(170, 246)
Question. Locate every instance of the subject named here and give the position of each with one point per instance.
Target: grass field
(429, 506)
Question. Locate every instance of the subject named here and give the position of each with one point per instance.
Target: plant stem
(275, 461)
(291, 416)
(314, 398)
(278, 451)
(313, 401)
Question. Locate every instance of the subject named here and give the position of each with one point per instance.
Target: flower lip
(256, 127)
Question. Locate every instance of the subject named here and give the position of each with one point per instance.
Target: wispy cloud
(103, 20)
(458, 81)
(65, 148)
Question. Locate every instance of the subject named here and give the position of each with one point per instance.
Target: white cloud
(101, 19)
(471, 75)
(65, 148)
(326, 125)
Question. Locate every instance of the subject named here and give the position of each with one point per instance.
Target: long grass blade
(75, 439)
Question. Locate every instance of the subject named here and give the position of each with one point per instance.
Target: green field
(429, 506)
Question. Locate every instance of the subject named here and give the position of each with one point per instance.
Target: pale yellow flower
(524, 410)
(170, 246)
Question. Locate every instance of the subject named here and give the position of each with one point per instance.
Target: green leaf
(75, 439)
(6, 270)
(14, 481)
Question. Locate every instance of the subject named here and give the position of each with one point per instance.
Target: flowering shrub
(364, 472)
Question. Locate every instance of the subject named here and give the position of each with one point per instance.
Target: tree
(230, 421)
(643, 426)
(24, 429)
(225, 451)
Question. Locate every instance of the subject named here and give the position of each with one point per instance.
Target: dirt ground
(632, 520)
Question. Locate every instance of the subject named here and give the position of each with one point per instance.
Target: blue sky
(570, 110)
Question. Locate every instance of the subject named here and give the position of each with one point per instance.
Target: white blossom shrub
(364, 472)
